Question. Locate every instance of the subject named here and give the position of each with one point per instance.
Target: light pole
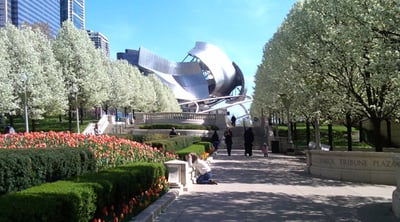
(24, 78)
(75, 89)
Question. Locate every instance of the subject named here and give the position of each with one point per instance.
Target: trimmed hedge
(198, 148)
(174, 143)
(23, 168)
(177, 126)
(80, 198)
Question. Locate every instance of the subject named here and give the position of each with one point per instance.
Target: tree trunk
(11, 120)
(33, 128)
(80, 113)
(70, 118)
(389, 132)
(317, 132)
(294, 131)
(348, 127)
(106, 109)
(377, 134)
(330, 137)
(361, 132)
(308, 133)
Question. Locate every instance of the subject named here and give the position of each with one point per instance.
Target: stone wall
(366, 167)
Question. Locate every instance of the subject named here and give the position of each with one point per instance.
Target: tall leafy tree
(82, 67)
(344, 56)
(30, 54)
(6, 90)
(166, 101)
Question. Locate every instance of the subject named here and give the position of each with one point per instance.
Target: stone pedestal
(396, 192)
(179, 174)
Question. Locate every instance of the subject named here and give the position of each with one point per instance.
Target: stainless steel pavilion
(204, 78)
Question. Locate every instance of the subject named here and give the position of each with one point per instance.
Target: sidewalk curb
(154, 210)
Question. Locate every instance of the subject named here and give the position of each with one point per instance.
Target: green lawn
(50, 123)
(339, 136)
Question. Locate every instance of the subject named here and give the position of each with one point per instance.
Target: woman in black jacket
(248, 141)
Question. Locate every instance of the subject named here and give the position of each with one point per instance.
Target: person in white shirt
(202, 168)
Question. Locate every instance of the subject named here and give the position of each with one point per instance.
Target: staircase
(238, 137)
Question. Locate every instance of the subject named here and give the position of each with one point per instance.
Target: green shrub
(23, 168)
(173, 144)
(177, 126)
(198, 148)
(80, 198)
(207, 145)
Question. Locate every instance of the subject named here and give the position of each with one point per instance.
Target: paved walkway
(277, 189)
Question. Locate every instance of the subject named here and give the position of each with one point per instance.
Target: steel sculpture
(204, 78)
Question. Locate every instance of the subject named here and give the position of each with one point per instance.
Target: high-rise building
(18, 12)
(100, 41)
(74, 11)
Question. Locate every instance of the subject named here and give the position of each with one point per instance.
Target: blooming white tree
(343, 56)
(30, 54)
(166, 100)
(8, 102)
(82, 67)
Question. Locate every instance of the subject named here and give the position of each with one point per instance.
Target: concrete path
(276, 189)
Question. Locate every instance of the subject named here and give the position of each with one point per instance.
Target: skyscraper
(18, 12)
(100, 41)
(74, 11)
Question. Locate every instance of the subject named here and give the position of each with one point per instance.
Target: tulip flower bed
(110, 153)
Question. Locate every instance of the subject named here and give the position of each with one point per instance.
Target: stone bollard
(179, 174)
(396, 192)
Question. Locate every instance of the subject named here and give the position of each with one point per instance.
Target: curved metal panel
(210, 77)
(219, 65)
(184, 78)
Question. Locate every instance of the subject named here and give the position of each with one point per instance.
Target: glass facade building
(100, 41)
(74, 11)
(5, 12)
(18, 12)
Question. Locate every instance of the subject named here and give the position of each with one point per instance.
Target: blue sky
(170, 28)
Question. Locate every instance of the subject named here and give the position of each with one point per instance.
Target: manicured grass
(339, 135)
(51, 123)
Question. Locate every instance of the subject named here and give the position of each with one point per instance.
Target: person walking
(233, 120)
(264, 149)
(96, 129)
(228, 140)
(248, 141)
(215, 141)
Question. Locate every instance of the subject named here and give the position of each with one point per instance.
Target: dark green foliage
(174, 143)
(23, 168)
(198, 148)
(78, 199)
(57, 201)
(207, 145)
(177, 126)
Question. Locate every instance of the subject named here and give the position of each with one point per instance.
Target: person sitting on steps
(172, 133)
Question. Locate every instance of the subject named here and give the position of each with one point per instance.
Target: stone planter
(366, 167)
(396, 192)
(179, 174)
